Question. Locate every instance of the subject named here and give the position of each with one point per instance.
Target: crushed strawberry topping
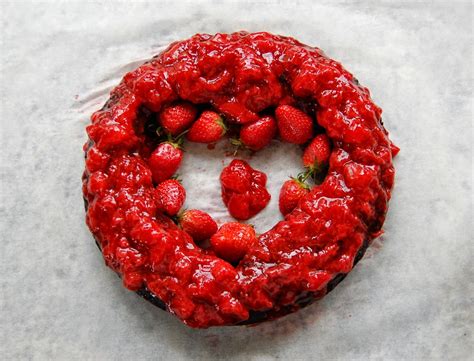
(240, 78)
(243, 189)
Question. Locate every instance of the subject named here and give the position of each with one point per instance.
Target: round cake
(251, 84)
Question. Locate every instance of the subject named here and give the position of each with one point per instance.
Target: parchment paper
(410, 298)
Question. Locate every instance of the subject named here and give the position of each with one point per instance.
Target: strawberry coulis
(240, 75)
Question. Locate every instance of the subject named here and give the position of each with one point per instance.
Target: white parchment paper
(410, 298)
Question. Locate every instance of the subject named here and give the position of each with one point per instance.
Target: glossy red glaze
(241, 75)
(244, 190)
(233, 240)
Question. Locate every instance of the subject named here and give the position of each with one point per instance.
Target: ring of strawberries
(254, 89)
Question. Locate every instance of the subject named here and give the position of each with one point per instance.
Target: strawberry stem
(302, 177)
(180, 214)
(180, 135)
(237, 143)
(177, 141)
(159, 131)
(319, 171)
(220, 121)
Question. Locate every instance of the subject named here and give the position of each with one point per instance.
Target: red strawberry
(197, 224)
(294, 125)
(259, 134)
(259, 198)
(238, 206)
(236, 176)
(178, 117)
(243, 189)
(170, 196)
(209, 128)
(233, 240)
(317, 153)
(165, 160)
(290, 194)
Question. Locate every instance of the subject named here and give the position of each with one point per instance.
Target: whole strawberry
(294, 125)
(178, 117)
(316, 156)
(290, 194)
(198, 224)
(170, 196)
(243, 189)
(165, 161)
(259, 134)
(233, 240)
(209, 128)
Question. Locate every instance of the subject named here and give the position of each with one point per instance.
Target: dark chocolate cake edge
(261, 316)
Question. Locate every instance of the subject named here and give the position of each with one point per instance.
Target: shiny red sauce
(240, 75)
